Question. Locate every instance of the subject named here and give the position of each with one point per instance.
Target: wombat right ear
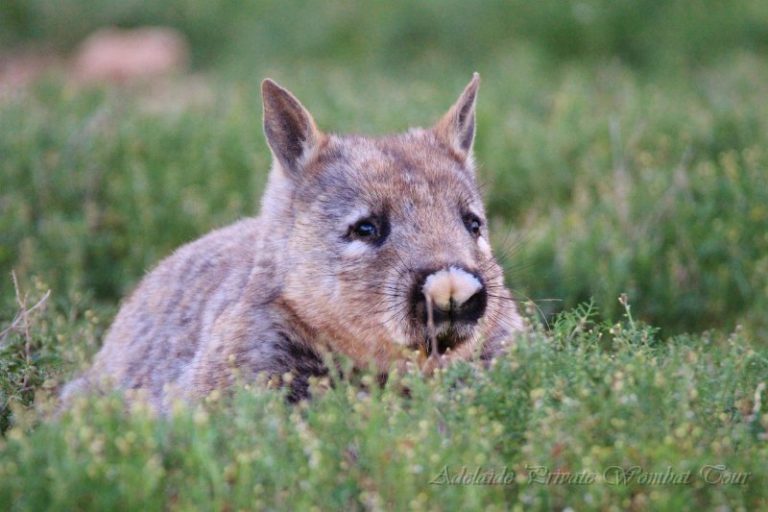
(290, 130)
(457, 126)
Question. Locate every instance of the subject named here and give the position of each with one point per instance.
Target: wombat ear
(457, 126)
(290, 130)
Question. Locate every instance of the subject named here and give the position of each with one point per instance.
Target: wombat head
(383, 242)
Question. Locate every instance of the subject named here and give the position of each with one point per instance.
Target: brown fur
(272, 294)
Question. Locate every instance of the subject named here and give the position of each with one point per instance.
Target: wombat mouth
(446, 340)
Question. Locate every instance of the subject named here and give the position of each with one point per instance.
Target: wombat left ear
(290, 130)
(457, 126)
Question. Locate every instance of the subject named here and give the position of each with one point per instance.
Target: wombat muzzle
(457, 299)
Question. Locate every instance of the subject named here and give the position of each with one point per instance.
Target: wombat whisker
(507, 250)
(386, 308)
(387, 292)
(496, 288)
(490, 266)
(502, 297)
(385, 295)
(482, 187)
(403, 265)
(535, 305)
(399, 313)
(503, 321)
(402, 269)
(379, 311)
(523, 296)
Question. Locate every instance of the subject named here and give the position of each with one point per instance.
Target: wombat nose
(456, 295)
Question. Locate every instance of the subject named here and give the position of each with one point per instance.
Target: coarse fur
(271, 295)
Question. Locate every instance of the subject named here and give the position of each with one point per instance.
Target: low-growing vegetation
(586, 415)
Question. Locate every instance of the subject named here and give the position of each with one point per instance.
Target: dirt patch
(108, 56)
(117, 55)
(150, 62)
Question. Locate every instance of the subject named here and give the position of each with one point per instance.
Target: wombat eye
(365, 230)
(473, 223)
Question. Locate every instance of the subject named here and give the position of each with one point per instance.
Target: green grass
(622, 150)
(583, 398)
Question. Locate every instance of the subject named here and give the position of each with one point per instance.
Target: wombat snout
(458, 298)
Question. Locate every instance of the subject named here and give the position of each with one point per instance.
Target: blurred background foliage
(644, 34)
(622, 143)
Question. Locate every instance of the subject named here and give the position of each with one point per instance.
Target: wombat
(372, 248)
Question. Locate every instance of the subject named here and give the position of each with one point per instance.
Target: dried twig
(20, 323)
